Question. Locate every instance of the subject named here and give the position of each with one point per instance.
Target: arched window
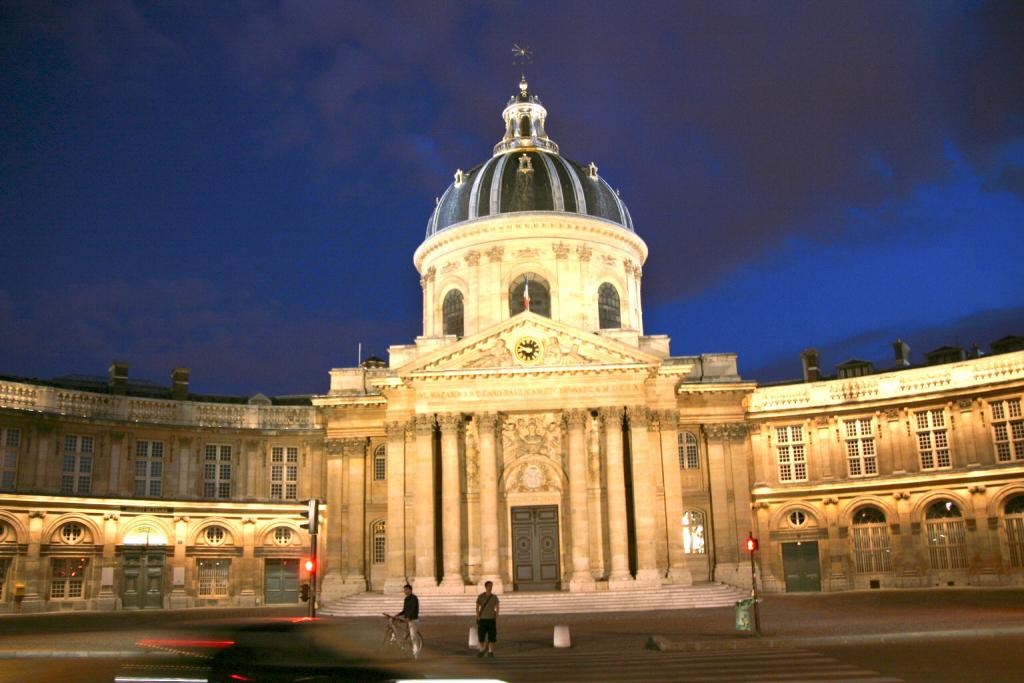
(608, 313)
(380, 542)
(1014, 515)
(947, 536)
(452, 311)
(380, 463)
(539, 294)
(688, 452)
(871, 551)
(693, 533)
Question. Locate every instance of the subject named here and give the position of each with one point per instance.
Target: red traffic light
(309, 566)
(751, 544)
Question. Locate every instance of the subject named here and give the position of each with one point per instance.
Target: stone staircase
(547, 602)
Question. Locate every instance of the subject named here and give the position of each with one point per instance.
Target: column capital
(654, 421)
(354, 446)
(638, 416)
(610, 414)
(486, 420)
(423, 424)
(669, 420)
(734, 430)
(334, 447)
(395, 429)
(36, 514)
(449, 422)
(575, 418)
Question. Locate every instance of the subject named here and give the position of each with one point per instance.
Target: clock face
(529, 350)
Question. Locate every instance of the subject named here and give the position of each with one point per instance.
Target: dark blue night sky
(238, 188)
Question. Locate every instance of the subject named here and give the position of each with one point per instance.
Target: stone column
(425, 568)
(595, 498)
(179, 597)
(331, 567)
(668, 424)
(396, 508)
(35, 572)
(618, 536)
(247, 594)
(451, 501)
(486, 424)
(581, 579)
(355, 455)
(643, 497)
(186, 488)
(107, 600)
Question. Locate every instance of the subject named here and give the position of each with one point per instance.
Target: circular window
(215, 535)
(72, 533)
(282, 535)
(797, 518)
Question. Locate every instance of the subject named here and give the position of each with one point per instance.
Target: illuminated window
(693, 533)
(1014, 516)
(380, 463)
(380, 541)
(217, 471)
(213, 577)
(10, 440)
(539, 293)
(452, 310)
(792, 453)
(688, 451)
(797, 518)
(608, 311)
(284, 472)
(861, 460)
(282, 535)
(76, 469)
(932, 439)
(67, 578)
(870, 538)
(149, 468)
(1008, 429)
(72, 533)
(947, 536)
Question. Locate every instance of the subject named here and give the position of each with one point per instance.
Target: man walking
(487, 620)
(411, 614)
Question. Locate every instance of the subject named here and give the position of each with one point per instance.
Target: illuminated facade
(533, 436)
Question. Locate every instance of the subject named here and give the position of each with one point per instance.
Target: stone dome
(527, 173)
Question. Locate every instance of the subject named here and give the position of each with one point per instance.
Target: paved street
(948, 635)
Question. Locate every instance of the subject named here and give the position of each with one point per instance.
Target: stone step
(547, 602)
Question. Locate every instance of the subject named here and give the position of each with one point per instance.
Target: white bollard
(474, 638)
(562, 636)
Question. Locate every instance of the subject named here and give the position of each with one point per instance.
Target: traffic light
(312, 515)
(304, 592)
(751, 544)
(310, 566)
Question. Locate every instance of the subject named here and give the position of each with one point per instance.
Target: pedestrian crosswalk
(783, 665)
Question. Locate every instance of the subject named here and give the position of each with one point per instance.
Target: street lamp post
(752, 548)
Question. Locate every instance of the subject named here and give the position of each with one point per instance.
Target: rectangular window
(1008, 430)
(861, 458)
(871, 550)
(932, 439)
(380, 467)
(792, 453)
(10, 440)
(284, 477)
(947, 539)
(149, 468)
(217, 471)
(380, 547)
(67, 578)
(76, 470)
(213, 577)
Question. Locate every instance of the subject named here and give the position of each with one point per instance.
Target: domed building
(533, 435)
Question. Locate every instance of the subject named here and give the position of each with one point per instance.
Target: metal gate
(801, 566)
(535, 548)
(281, 581)
(143, 579)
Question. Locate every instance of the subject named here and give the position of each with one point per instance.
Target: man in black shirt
(411, 614)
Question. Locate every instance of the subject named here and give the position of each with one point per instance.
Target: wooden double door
(535, 554)
(801, 566)
(281, 581)
(143, 572)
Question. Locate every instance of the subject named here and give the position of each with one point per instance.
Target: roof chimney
(179, 384)
(812, 372)
(118, 372)
(902, 350)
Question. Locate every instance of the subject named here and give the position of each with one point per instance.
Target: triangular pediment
(529, 342)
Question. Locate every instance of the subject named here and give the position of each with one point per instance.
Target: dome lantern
(524, 117)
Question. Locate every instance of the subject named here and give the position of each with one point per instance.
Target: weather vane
(521, 55)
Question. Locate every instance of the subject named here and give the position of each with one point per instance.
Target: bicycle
(398, 635)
